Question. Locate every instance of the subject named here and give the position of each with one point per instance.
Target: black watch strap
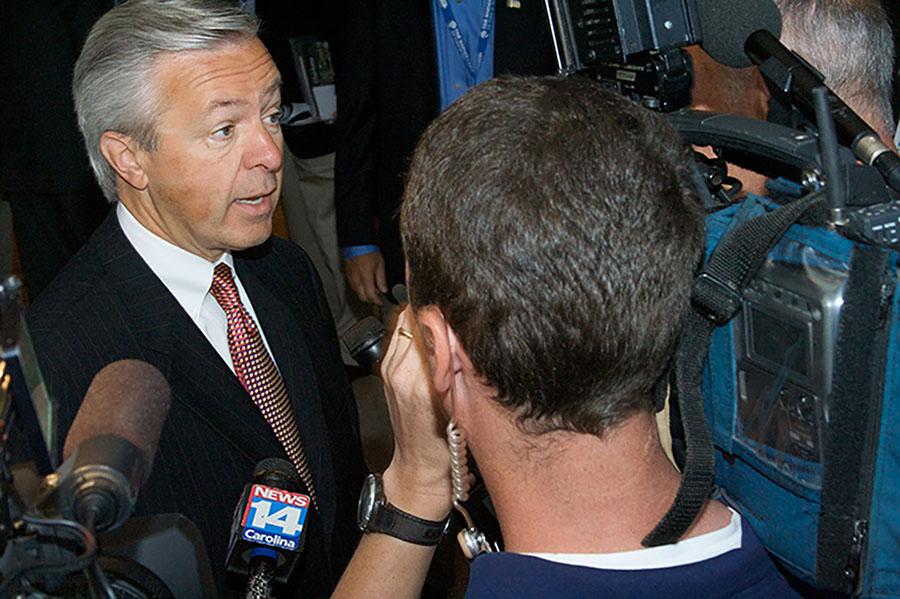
(394, 522)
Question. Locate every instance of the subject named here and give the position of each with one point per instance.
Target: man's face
(214, 178)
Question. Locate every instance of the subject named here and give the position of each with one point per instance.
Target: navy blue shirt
(744, 572)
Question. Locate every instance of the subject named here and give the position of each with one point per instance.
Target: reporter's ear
(436, 343)
(448, 362)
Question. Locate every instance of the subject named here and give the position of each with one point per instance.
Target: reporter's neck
(584, 494)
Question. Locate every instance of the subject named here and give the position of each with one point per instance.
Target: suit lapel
(152, 309)
(291, 352)
(199, 378)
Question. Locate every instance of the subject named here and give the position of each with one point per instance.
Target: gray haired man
(178, 102)
(850, 42)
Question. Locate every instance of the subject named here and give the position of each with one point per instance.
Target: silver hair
(851, 44)
(113, 85)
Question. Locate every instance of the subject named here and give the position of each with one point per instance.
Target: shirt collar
(686, 551)
(186, 275)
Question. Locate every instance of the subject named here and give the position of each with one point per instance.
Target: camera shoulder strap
(715, 299)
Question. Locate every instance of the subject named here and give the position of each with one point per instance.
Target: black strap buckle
(715, 299)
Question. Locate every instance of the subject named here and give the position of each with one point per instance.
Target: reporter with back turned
(541, 333)
(178, 102)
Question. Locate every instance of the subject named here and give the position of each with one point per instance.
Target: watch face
(367, 499)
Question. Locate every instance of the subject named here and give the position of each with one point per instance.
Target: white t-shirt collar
(688, 551)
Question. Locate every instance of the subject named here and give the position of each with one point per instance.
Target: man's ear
(436, 339)
(448, 355)
(760, 96)
(120, 152)
(451, 368)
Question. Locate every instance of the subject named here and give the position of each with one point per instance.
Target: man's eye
(274, 118)
(224, 132)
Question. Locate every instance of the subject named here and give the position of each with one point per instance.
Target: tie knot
(223, 288)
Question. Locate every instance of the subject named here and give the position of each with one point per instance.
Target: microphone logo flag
(274, 517)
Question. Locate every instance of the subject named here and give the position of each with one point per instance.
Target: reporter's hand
(365, 274)
(417, 481)
(418, 478)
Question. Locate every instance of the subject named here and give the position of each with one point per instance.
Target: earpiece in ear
(472, 541)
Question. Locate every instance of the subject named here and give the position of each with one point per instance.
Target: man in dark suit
(389, 88)
(184, 274)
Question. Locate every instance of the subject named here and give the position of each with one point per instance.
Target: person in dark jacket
(179, 103)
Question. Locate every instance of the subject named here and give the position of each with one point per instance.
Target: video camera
(794, 332)
(636, 47)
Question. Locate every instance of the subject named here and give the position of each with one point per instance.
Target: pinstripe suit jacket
(108, 305)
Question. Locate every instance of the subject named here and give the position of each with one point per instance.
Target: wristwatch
(375, 514)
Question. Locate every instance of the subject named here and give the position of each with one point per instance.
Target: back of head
(555, 225)
(112, 83)
(850, 42)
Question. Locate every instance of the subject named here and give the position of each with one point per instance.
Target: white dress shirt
(188, 278)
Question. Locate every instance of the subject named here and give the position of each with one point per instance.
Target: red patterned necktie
(256, 371)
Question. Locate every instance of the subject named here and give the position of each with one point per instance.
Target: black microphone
(792, 77)
(267, 530)
(109, 450)
(365, 342)
(400, 294)
(365, 339)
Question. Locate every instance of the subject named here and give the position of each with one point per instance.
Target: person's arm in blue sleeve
(354, 169)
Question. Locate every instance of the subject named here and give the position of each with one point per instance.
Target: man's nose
(264, 149)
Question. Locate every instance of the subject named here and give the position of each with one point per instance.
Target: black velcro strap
(854, 415)
(716, 298)
(697, 475)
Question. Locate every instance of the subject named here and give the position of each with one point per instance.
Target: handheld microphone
(267, 530)
(365, 342)
(400, 293)
(365, 339)
(109, 450)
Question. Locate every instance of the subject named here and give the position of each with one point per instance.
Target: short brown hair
(555, 225)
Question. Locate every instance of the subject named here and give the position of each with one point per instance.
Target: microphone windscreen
(726, 25)
(276, 469)
(128, 399)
